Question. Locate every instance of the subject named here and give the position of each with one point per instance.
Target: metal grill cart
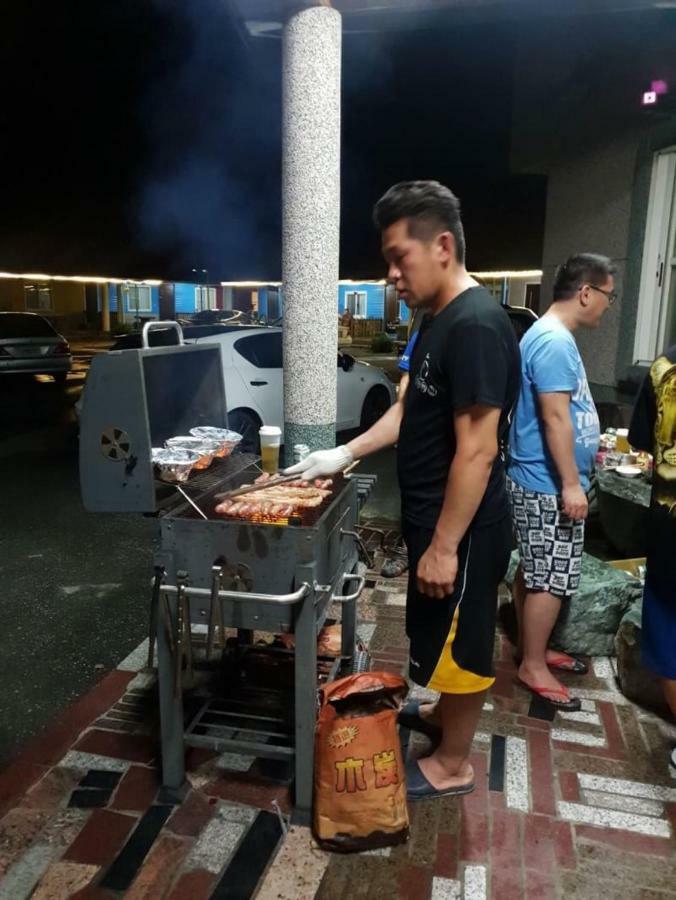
(273, 575)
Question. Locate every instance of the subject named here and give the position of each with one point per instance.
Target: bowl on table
(629, 471)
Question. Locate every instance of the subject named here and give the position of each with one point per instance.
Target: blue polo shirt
(551, 362)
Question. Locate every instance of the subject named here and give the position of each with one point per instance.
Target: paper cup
(270, 438)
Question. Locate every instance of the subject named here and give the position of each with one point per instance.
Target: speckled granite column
(311, 220)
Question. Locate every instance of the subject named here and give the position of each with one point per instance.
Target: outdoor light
(649, 98)
(84, 279)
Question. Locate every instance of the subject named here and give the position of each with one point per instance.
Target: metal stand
(218, 726)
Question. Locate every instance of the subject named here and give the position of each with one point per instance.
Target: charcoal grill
(275, 576)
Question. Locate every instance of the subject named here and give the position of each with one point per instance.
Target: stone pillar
(105, 308)
(311, 221)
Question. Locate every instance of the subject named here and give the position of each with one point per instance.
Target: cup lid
(270, 430)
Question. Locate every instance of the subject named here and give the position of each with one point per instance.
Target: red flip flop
(566, 663)
(563, 662)
(570, 704)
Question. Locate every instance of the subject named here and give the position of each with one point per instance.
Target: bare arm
(476, 433)
(385, 432)
(560, 438)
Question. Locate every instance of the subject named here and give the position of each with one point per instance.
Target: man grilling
(450, 423)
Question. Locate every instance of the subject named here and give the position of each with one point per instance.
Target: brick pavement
(579, 806)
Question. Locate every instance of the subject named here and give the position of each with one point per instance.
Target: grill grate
(304, 517)
(208, 480)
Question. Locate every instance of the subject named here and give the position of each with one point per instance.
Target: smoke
(210, 193)
(199, 213)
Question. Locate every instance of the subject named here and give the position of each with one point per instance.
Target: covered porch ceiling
(263, 18)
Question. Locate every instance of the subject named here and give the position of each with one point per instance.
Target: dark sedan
(30, 345)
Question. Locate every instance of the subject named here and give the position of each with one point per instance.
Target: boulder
(589, 622)
(636, 682)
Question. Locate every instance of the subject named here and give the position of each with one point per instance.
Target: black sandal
(409, 717)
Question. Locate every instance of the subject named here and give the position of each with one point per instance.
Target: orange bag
(359, 785)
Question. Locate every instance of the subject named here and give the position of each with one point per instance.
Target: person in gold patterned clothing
(653, 428)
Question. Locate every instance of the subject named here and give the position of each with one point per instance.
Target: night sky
(143, 139)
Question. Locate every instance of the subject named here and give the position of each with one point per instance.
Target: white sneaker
(672, 763)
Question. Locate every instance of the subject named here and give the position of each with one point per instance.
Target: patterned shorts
(550, 544)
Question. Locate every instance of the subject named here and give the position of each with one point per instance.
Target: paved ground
(579, 807)
(74, 584)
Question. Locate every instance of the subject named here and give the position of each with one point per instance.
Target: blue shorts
(658, 630)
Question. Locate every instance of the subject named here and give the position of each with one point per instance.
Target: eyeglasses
(610, 295)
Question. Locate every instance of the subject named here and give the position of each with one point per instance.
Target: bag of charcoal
(359, 784)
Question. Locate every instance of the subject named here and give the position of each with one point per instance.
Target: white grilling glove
(321, 463)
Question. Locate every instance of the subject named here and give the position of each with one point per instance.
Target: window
(273, 305)
(656, 322)
(139, 298)
(262, 350)
(355, 301)
(38, 297)
(205, 297)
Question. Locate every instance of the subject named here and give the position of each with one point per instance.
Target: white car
(252, 373)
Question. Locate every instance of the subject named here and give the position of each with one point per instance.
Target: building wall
(184, 296)
(588, 209)
(577, 118)
(12, 295)
(68, 302)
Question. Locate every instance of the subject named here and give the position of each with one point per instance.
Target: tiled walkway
(582, 806)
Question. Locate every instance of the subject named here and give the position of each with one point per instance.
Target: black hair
(429, 207)
(582, 268)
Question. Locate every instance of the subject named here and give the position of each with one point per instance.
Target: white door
(205, 297)
(258, 359)
(656, 325)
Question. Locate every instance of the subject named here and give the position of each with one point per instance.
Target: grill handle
(206, 593)
(347, 598)
(154, 326)
(368, 559)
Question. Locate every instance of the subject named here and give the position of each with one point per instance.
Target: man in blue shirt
(553, 441)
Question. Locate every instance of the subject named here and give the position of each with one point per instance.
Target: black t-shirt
(653, 428)
(466, 355)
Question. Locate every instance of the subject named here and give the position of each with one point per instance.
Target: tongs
(259, 486)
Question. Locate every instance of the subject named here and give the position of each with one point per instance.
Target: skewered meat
(280, 500)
